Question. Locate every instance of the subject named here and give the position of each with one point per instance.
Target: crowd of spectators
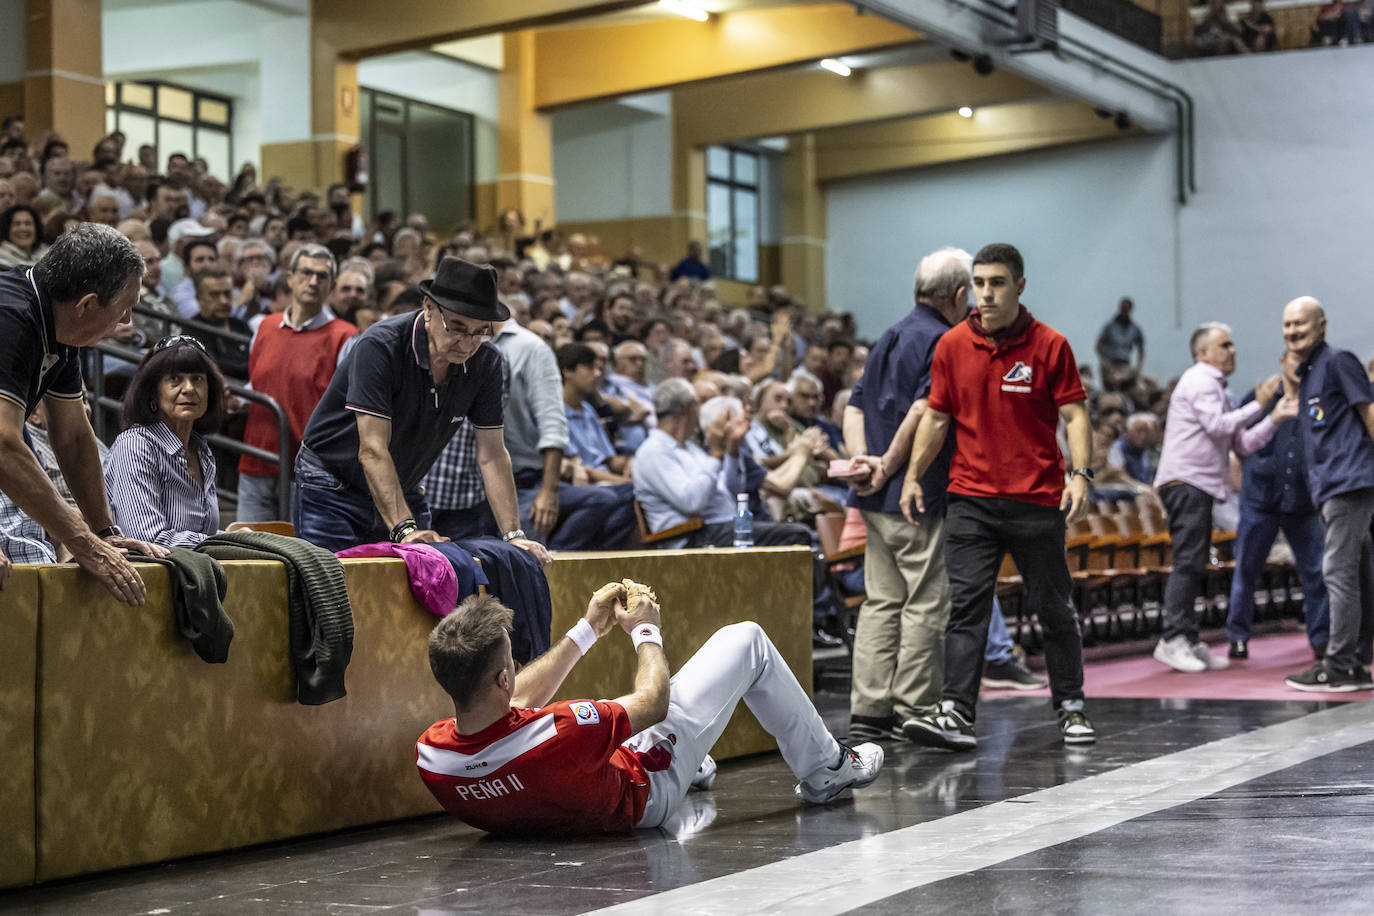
(590, 342)
(224, 256)
(608, 360)
(1339, 22)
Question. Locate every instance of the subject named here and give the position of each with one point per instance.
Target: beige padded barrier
(18, 669)
(146, 753)
(699, 591)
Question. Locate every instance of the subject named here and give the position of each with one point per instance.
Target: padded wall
(147, 753)
(699, 591)
(19, 602)
(144, 752)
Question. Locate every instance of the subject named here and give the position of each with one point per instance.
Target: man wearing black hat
(392, 407)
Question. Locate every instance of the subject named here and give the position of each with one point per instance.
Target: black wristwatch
(404, 527)
(1083, 472)
(110, 532)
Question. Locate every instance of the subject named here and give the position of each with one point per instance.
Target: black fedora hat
(467, 289)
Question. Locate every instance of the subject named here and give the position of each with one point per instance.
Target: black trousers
(1190, 530)
(979, 531)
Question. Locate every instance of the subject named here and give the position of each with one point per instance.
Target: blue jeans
(461, 524)
(1000, 647)
(1254, 537)
(258, 499)
(589, 518)
(330, 514)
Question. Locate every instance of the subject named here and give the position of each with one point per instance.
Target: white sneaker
(706, 774)
(1178, 654)
(858, 767)
(1207, 657)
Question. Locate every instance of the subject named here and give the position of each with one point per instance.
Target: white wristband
(583, 636)
(646, 632)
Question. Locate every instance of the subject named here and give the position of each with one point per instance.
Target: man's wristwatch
(404, 527)
(515, 535)
(110, 532)
(1083, 472)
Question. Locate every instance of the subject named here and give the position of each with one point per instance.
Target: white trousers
(738, 662)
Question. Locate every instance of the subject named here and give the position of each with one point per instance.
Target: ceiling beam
(366, 28)
(593, 62)
(938, 139)
(799, 101)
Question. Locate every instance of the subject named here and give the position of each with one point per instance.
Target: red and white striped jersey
(559, 769)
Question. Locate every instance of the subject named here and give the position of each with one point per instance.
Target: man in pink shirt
(1204, 426)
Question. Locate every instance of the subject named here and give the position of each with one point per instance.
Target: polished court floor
(1183, 806)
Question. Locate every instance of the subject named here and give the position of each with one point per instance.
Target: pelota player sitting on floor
(508, 763)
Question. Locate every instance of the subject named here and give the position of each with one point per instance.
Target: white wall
(1284, 205)
(1283, 209)
(448, 83)
(1091, 222)
(612, 161)
(227, 47)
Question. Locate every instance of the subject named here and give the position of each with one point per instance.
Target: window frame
(733, 184)
(196, 123)
(369, 132)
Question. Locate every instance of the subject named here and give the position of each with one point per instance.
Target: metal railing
(234, 446)
(192, 323)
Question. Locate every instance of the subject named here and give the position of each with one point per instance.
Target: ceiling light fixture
(839, 68)
(685, 9)
(965, 112)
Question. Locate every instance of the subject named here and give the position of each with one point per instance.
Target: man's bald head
(1304, 325)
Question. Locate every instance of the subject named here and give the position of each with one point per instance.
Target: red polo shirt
(1005, 400)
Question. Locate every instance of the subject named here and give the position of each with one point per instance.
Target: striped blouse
(151, 490)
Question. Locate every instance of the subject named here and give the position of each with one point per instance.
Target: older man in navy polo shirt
(392, 407)
(74, 297)
(1337, 415)
(899, 642)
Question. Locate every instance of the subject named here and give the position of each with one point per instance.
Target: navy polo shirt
(1274, 479)
(1336, 446)
(32, 363)
(896, 375)
(387, 375)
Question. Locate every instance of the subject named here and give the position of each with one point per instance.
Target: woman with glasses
(160, 472)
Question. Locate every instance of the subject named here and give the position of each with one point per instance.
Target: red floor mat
(1258, 678)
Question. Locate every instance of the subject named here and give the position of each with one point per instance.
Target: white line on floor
(860, 872)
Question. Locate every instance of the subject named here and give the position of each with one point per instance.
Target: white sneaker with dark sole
(857, 768)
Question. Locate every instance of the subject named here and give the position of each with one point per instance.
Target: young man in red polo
(1004, 380)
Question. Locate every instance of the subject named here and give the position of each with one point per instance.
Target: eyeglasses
(323, 276)
(177, 341)
(485, 332)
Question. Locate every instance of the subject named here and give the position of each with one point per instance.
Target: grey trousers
(1348, 567)
(899, 641)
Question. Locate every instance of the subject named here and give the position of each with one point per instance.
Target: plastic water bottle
(744, 522)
